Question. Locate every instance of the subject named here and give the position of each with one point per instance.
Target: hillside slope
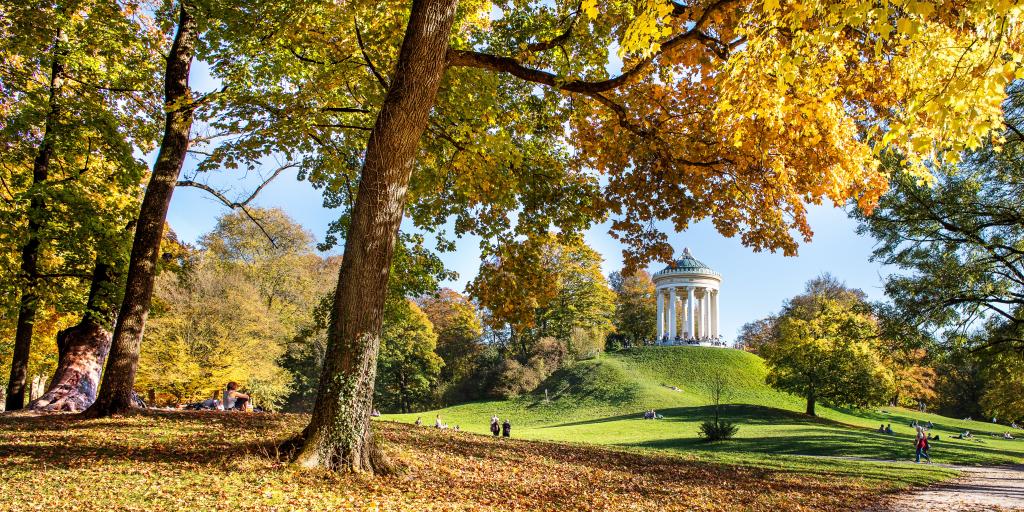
(601, 401)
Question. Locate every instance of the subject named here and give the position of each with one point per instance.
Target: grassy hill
(601, 401)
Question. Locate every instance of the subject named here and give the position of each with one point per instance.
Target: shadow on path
(994, 488)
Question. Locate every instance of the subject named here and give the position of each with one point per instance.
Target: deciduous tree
(826, 353)
(78, 91)
(635, 308)
(408, 367)
(741, 111)
(456, 322)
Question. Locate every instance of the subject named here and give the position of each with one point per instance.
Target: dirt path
(993, 488)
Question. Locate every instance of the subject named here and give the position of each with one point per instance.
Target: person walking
(495, 428)
(922, 446)
(506, 429)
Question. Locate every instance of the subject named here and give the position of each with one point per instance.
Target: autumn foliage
(226, 461)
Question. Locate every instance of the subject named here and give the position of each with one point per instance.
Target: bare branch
(241, 205)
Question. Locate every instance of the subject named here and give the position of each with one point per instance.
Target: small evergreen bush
(718, 430)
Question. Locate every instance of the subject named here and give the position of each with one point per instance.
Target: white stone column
(689, 312)
(714, 313)
(707, 312)
(661, 313)
(672, 314)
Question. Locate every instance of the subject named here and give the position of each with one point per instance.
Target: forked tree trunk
(82, 350)
(338, 436)
(116, 391)
(29, 302)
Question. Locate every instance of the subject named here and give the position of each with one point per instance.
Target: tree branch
(509, 65)
(240, 205)
(366, 57)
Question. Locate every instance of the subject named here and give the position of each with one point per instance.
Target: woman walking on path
(922, 445)
(495, 429)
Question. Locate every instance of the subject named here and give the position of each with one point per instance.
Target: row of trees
(950, 335)
(958, 243)
(446, 111)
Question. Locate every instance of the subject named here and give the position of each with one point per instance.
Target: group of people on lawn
(497, 427)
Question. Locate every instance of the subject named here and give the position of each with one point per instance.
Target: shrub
(514, 379)
(718, 430)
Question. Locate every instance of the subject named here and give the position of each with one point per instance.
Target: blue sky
(754, 284)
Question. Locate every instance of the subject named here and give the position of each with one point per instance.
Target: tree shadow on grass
(746, 413)
(65, 440)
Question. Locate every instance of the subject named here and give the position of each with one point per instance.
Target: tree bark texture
(339, 436)
(82, 350)
(810, 405)
(116, 392)
(29, 302)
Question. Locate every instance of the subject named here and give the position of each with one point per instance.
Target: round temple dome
(687, 265)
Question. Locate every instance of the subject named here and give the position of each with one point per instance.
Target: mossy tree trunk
(116, 394)
(339, 436)
(82, 350)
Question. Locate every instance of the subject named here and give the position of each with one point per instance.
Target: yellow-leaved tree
(514, 118)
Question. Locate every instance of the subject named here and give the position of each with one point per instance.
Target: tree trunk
(82, 350)
(810, 405)
(338, 436)
(29, 302)
(116, 393)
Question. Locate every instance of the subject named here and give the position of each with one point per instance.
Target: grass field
(601, 402)
(781, 459)
(198, 461)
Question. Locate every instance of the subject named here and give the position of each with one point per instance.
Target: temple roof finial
(686, 252)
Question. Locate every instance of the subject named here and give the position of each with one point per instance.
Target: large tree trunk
(116, 391)
(338, 436)
(82, 350)
(810, 405)
(29, 302)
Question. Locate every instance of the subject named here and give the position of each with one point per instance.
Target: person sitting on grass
(888, 429)
(1007, 436)
(438, 424)
(881, 428)
(233, 399)
(419, 421)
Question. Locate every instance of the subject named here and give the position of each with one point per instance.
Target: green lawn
(602, 401)
(211, 460)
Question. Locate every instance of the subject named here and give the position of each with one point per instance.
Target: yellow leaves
(589, 8)
(770, 5)
(644, 35)
(923, 9)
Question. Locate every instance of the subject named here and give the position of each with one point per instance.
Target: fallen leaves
(224, 461)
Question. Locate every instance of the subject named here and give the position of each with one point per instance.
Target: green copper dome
(687, 265)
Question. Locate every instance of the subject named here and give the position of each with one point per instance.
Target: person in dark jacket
(506, 429)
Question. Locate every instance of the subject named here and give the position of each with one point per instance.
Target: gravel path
(993, 488)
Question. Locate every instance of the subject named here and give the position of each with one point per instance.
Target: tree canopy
(827, 349)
